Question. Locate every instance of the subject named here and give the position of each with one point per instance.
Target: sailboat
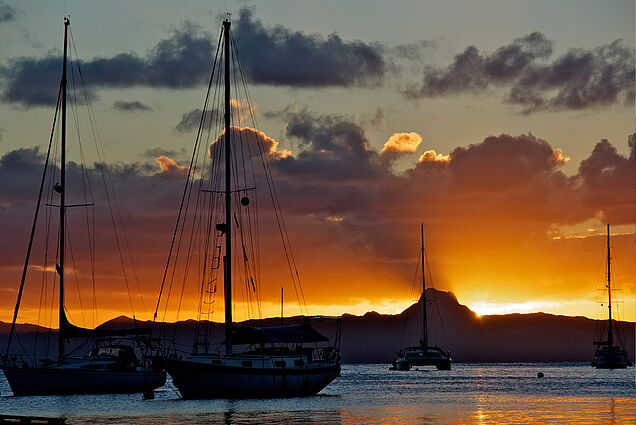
(253, 361)
(608, 355)
(423, 354)
(112, 364)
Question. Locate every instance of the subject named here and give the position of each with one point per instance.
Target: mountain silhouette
(375, 337)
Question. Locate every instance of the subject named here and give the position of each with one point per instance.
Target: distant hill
(374, 337)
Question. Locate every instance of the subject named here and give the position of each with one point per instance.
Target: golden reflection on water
(493, 410)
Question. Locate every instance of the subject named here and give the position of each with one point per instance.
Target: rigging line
(238, 184)
(105, 172)
(55, 276)
(253, 234)
(205, 297)
(413, 283)
(79, 293)
(245, 145)
(43, 287)
(48, 220)
(275, 201)
(33, 225)
(276, 207)
(73, 102)
(187, 207)
(208, 239)
(439, 311)
(254, 245)
(194, 151)
(207, 202)
(192, 239)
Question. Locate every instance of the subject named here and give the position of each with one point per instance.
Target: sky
(505, 126)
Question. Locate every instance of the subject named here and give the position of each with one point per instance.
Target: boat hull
(614, 358)
(196, 380)
(439, 363)
(419, 356)
(26, 381)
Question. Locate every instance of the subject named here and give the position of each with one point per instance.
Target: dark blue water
(371, 394)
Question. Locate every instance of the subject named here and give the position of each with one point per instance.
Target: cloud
(180, 61)
(7, 12)
(579, 79)
(250, 143)
(492, 209)
(155, 152)
(190, 121)
(402, 142)
(279, 56)
(331, 146)
(270, 55)
(170, 168)
(134, 106)
(502, 162)
(431, 156)
(608, 181)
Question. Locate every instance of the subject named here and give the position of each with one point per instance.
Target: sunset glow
(367, 132)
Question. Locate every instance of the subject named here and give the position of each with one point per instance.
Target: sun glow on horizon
(482, 308)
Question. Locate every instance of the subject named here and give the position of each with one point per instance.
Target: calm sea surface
(571, 393)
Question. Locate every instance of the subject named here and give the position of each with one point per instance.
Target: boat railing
(14, 360)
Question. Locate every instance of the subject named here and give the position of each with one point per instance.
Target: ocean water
(569, 393)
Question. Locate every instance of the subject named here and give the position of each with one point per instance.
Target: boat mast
(227, 260)
(424, 340)
(62, 190)
(610, 335)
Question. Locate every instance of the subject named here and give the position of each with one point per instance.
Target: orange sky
(506, 231)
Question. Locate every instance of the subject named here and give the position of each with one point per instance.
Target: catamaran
(608, 355)
(423, 354)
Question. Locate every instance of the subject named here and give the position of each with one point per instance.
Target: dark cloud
(134, 106)
(7, 12)
(20, 166)
(579, 79)
(270, 55)
(279, 56)
(156, 152)
(190, 120)
(608, 181)
(474, 71)
(331, 146)
(502, 162)
(182, 60)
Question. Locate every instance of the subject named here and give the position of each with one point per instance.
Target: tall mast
(610, 335)
(424, 340)
(62, 190)
(227, 260)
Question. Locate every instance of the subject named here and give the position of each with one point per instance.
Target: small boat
(253, 361)
(608, 355)
(423, 354)
(112, 364)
